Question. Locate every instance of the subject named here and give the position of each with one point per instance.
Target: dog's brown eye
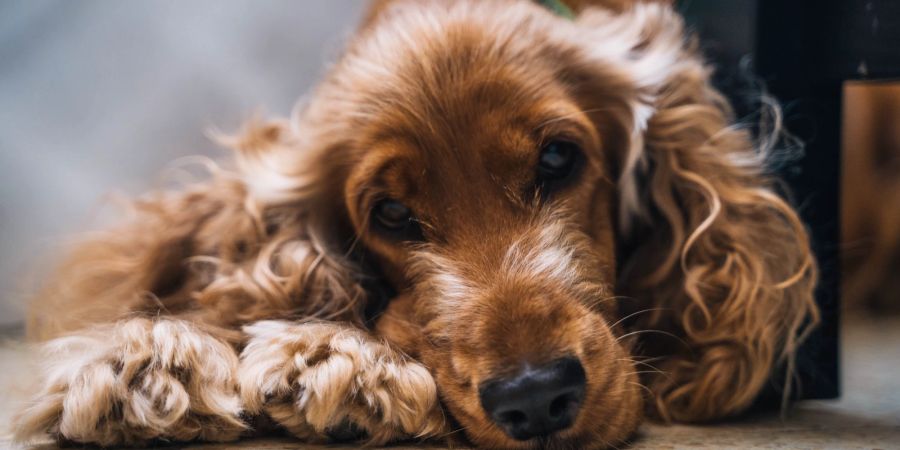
(392, 214)
(396, 218)
(557, 160)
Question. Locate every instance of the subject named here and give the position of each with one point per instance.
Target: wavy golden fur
(665, 266)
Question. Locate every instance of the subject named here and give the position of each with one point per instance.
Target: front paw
(325, 382)
(135, 382)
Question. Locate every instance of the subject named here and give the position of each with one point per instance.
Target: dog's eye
(392, 214)
(557, 160)
(395, 217)
(557, 163)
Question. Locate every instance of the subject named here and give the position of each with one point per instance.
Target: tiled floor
(867, 417)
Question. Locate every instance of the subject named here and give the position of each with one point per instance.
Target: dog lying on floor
(492, 222)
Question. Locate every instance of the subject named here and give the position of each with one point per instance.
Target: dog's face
(494, 214)
(486, 194)
(497, 224)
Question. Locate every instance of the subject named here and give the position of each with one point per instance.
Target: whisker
(654, 359)
(636, 313)
(655, 370)
(665, 333)
(461, 428)
(598, 301)
(424, 224)
(633, 358)
(639, 372)
(642, 387)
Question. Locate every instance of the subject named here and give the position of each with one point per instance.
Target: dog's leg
(329, 381)
(136, 381)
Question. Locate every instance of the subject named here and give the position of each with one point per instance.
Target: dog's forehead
(459, 101)
(431, 173)
(472, 130)
(455, 47)
(472, 148)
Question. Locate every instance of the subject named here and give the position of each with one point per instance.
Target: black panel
(868, 44)
(795, 48)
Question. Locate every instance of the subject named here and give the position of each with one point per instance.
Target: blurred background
(99, 96)
(871, 197)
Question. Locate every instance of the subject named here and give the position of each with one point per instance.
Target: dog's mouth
(563, 439)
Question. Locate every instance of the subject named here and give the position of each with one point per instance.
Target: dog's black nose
(537, 401)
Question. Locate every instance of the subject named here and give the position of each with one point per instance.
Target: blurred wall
(100, 95)
(870, 200)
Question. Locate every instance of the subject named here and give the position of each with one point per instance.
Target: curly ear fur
(737, 268)
(239, 247)
(724, 263)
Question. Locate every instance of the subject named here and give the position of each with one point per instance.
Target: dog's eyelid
(392, 218)
(559, 163)
(560, 139)
(562, 129)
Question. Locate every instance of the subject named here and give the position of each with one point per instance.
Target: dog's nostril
(562, 404)
(537, 401)
(512, 417)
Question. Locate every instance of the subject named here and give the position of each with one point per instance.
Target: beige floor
(867, 417)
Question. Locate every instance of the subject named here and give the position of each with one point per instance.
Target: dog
(492, 222)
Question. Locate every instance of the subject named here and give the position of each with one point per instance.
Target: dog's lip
(571, 437)
(567, 438)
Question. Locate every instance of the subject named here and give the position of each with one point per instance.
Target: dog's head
(486, 189)
(490, 158)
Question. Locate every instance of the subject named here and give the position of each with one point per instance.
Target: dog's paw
(133, 382)
(327, 382)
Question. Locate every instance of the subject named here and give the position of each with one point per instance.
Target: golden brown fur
(669, 243)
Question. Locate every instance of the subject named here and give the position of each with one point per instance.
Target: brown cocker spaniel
(491, 223)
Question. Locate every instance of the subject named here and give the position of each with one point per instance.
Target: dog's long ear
(257, 241)
(292, 173)
(724, 263)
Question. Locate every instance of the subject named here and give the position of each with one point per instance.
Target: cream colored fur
(135, 381)
(142, 380)
(317, 378)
